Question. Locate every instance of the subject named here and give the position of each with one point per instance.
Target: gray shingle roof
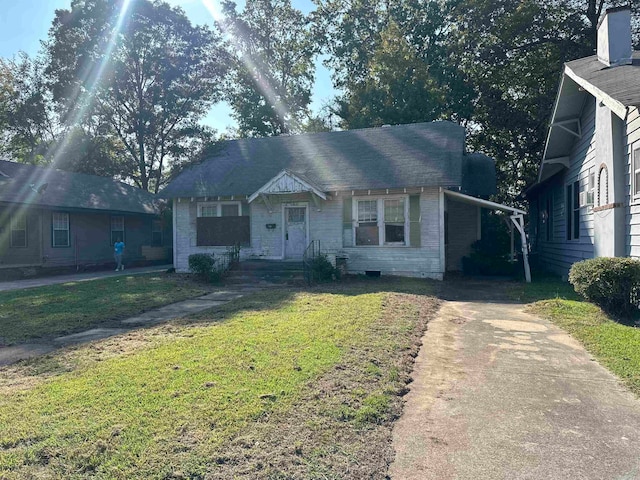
(70, 190)
(622, 83)
(421, 154)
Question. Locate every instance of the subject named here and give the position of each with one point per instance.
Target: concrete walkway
(15, 353)
(76, 277)
(500, 394)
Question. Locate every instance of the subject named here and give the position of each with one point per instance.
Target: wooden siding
(632, 217)
(325, 225)
(89, 240)
(462, 232)
(558, 254)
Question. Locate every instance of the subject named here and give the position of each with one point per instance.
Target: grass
(275, 385)
(614, 344)
(45, 312)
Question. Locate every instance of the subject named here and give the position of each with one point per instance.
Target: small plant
(611, 283)
(322, 269)
(204, 266)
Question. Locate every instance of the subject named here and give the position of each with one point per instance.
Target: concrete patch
(516, 325)
(565, 339)
(88, 335)
(9, 355)
(223, 295)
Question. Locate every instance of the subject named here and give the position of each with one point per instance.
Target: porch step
(266, 271)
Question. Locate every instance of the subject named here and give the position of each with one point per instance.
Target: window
(636, 170)
(394, 222)
(228, 209)
(222, 224)
(381, 221)
(367, 225)
(572, 211)
(156, 233)
(60, 229)
(587, 194)
(18, 230)
(117, 229)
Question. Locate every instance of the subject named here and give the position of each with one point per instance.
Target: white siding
(407, 261)
(632, 217)
(559, 254)
(325, 225)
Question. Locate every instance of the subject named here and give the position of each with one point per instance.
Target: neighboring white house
(586, 202)
(394, 199)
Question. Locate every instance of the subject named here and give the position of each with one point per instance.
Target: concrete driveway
(501, 394)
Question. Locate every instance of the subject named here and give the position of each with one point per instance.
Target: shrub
(610, 283)
(204, 266)
(322, 269)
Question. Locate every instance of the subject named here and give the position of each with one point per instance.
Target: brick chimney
(614, 37)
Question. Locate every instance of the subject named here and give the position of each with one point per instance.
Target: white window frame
(54, 229)
(218, 206)
(13, 221)
(635, 169)
(380, 220)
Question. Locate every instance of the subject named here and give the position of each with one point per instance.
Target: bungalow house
(55, 219)
(586, 202)
(399, 200)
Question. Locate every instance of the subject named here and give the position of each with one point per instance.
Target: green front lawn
(275, 385)
(615, 345)
(44, 312)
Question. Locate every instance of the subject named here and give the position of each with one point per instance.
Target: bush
(322, 269)
(204, 266)
(610, 283)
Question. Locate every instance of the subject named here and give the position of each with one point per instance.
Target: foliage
(55, 310)
(272, 52)
(322, 270)
(145, 73)
(611, 283)
(390, 58)
(204, 266)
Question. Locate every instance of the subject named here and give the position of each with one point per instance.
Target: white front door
(295, 233)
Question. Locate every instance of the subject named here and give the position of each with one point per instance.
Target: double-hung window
(117, 229)
(381, 221)
(18, 230)
(60, 229)
(367, 231)
(227, 209)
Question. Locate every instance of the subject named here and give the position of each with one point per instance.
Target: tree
(390, 58)
(27, 120)
(270, 84)
(139, 68)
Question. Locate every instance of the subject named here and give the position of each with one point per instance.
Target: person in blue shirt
(118, 250)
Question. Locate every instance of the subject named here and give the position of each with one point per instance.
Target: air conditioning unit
(586, 198)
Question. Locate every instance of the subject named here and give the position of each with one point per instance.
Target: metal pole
(518, 221)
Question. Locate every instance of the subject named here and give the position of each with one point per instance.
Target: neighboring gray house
(395, 199)
(586, 202)
(52, 218)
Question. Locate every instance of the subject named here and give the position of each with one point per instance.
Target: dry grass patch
(275, 385)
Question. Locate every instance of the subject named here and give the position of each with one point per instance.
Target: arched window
(603, 186)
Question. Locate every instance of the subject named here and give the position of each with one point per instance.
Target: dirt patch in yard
(341, 427)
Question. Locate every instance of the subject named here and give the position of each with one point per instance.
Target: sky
(24, 23)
